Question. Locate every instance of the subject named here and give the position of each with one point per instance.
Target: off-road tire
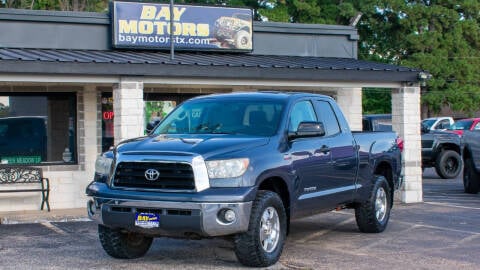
(471, 178)
(448, 164)
(248, 246)
(379, 201)
(243, 40)
(123, 245)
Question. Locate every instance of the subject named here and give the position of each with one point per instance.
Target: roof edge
(10, 14)
(302, 28)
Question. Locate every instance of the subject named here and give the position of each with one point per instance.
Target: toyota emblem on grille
(151, 174)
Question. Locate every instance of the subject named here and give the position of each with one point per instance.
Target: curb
(26, 217)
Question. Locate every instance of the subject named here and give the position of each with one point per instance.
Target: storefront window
(37, 128)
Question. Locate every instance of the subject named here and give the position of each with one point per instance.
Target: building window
(38, 128)
(107, 121)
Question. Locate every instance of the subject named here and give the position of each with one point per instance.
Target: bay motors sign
(147, 26)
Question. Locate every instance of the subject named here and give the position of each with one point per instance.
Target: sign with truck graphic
(147, 26)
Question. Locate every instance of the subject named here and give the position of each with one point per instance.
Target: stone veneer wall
(128, 110)
(406, 122)
(350, 102)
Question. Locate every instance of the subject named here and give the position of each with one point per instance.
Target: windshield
(209, 116)
(462, 125)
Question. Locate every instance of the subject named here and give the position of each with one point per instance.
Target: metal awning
(199, 65)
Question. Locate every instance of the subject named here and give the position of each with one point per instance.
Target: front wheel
(243, 40)
(372, 215)
(262, 244)
(471, 178)
(123, 245)
(448, 164)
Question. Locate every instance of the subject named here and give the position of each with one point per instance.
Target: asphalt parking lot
(443, 232)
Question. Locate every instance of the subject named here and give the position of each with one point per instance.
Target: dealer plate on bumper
(147, 220)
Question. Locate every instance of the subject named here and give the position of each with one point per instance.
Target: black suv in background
(440, 150)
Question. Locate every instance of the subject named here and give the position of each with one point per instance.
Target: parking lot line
(468, 239)
(54, 228)
(435, 227)
(453, 205)
(323, 232)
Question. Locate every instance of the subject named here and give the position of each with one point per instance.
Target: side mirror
(308, 129)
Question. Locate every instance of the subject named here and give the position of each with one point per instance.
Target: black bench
(12, 175)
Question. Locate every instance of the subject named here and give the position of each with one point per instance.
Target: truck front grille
(172, 175)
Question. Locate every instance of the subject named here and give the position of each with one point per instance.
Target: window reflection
(37, 128)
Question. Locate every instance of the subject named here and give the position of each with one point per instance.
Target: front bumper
(189, 215)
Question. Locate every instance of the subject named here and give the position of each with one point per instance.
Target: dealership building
(75, 85)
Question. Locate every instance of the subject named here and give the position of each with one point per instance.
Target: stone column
(350, 102)
(406, 122)
(128, 110)
(90, 135)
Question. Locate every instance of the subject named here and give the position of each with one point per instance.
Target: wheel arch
(278, 185)
(385, 169)
(245, 28)
(448, 146)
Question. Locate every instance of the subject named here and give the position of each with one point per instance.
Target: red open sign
(108, 115)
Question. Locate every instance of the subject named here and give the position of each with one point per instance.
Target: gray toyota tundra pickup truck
(242, 165)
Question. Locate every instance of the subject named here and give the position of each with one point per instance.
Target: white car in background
(437, 123)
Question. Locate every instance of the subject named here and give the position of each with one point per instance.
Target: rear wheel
(471, 178)
(372, 216)
(448, 164)
(123, 245)
(262, 244)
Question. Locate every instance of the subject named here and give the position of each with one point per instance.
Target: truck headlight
(227, 168)
(103, 165)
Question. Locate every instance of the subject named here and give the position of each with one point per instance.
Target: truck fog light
(229, 216)
(226, 216)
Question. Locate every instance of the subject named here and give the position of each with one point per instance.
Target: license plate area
(147, 220)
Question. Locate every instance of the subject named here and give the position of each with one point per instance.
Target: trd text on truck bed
(244, 165)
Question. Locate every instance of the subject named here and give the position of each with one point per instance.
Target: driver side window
(301, 112)
(444, 124)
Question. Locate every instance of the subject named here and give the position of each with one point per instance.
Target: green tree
(376, 100)
(442, 36)
(64, 5)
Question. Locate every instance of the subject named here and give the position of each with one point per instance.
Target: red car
(465, 124)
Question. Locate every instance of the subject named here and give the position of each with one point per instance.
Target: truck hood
(207, 145)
